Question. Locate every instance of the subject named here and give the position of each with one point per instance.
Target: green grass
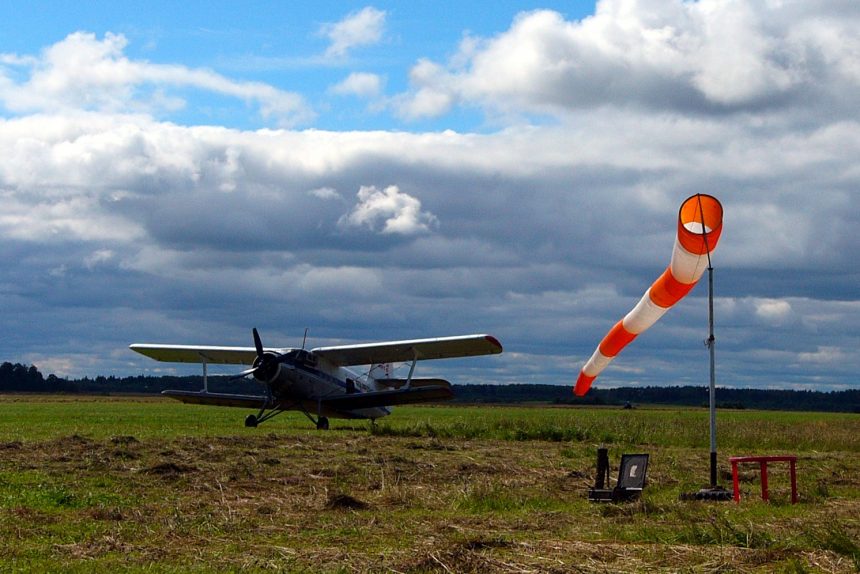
(28, 417)
(676, 427)
(150, 485)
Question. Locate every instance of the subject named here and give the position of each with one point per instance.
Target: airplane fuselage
(302, 380)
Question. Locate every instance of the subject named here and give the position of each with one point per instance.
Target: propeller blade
(262, 363)
(258, 344)
(245, 373)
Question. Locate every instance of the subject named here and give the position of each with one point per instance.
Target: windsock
(700, 222)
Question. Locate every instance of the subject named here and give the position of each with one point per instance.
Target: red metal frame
(762, 462)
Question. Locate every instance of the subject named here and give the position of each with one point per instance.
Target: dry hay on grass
(480, 556)
(354, 502)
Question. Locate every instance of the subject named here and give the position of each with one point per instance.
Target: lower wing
(219, 399)
(348, 402)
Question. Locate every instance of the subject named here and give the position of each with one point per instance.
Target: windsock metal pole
(713, 392)
(712, 397)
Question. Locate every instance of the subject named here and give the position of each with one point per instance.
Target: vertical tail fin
(380, 371)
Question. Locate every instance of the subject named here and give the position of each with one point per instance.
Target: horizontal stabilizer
(219, 399)
(416, 382)
(389, 398)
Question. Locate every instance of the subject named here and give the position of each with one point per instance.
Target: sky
(388, 170)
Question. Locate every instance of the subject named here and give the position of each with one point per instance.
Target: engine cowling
(267, 367)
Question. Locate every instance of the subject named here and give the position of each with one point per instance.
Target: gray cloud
(118, 227)
(203, 232)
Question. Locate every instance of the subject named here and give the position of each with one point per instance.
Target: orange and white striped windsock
(700, 222)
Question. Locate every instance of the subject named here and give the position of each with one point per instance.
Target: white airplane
(317, 381)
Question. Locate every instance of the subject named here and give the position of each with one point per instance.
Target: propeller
(258, 343)
(262, 364)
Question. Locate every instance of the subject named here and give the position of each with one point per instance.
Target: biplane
(317, 382)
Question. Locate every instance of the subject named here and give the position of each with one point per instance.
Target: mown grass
(675, 427)
(143, 484)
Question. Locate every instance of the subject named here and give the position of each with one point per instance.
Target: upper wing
(421, 349)
(199, 354)
(364, 354)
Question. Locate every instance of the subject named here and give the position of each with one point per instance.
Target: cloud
(325, 193)
(435, 92)
(118, 226)
(192, 234)
(83, 73)
(824, 355)
(61, 219)
(359, 84)
(707, 57)
(98, 257)
(772, 310)
(388, 211)
(361, 28)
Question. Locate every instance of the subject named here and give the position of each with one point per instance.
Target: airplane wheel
(251, 421)
(322, 423)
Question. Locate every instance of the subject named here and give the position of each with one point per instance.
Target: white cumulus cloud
(359, 84)
(773, 310)
(82, 72)
(388, 211)
(360, 28)
(710, 56)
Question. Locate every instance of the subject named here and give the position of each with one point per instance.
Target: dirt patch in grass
(124, 440)
(108, 514)
(170, 469)
(340, 501)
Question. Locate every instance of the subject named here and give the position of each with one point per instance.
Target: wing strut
(411, 369)
(205, 373)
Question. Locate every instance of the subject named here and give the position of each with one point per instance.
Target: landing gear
(253, 421)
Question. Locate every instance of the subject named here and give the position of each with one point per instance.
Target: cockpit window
(306, 358)
(302, 357)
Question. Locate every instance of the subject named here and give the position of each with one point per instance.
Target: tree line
(28, 379)
(770, 399)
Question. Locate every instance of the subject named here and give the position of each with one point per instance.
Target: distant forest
(27, 379)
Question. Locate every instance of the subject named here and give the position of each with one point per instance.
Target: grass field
(148, 485)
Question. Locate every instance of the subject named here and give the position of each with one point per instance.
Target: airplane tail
(380, 371)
